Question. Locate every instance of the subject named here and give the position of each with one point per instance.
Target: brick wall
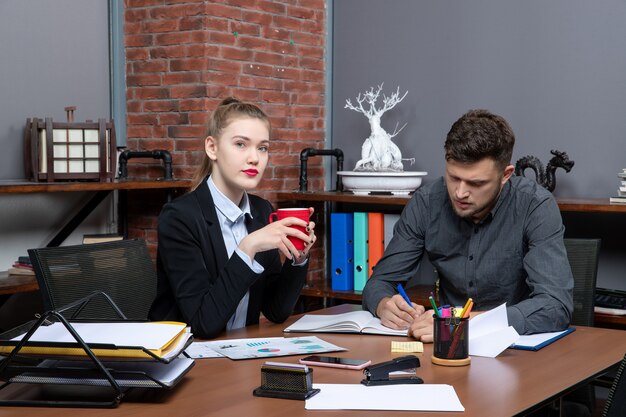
(183, 57)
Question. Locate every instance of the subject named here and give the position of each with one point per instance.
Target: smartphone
(335, 362)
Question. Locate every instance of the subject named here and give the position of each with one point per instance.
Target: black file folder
(46, 363)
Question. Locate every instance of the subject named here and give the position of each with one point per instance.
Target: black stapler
(378, 374)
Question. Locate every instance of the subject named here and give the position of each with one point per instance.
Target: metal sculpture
(546, 177)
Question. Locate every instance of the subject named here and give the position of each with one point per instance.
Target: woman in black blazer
(218, 261)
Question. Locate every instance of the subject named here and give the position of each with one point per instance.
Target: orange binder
(376, 239)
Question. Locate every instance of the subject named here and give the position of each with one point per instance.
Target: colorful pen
(432, 303)
(467, 304)
(403, 294)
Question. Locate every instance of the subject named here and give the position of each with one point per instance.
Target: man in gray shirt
(492, 236)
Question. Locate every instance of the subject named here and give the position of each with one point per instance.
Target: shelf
(590, 205)
(22, 187)
(344, 197)
(99, 189)
(11, 284)
(597, 205)
(609, 321)
(418, 293)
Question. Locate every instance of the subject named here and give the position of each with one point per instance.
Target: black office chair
(616, 401)
(583, 259)
(122, 270)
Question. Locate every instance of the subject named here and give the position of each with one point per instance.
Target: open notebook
(353, 322)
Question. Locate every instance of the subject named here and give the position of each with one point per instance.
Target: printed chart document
(202, 350)
(267, 347)
(353, 322)
(418, 397)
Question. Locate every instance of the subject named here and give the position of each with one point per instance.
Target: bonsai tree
(378, 152)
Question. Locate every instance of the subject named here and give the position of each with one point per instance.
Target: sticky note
(407, 347)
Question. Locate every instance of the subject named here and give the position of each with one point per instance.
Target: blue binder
(342, 251)
(360, 251)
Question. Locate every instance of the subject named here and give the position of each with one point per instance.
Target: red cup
(300, 213)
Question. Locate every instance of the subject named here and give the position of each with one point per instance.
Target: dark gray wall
(54, 54)
(556, 70)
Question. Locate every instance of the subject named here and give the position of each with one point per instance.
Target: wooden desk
(513, 382)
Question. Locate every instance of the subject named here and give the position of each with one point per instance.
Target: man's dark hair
(479, 134)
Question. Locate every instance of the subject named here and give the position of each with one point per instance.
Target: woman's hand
(276, 236)
(308, 244)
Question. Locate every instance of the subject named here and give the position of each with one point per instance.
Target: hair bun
(229, 100)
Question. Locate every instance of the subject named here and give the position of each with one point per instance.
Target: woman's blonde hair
(229, 109)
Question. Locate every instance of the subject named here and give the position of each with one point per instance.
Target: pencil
(469, 309)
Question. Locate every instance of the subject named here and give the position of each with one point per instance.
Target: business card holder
(288, 381)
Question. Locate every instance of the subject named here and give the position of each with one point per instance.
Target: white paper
(150, 335)
(411, 397)
(490, 333)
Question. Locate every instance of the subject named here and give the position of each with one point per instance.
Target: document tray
(88, 370)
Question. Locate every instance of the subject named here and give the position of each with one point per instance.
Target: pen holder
(450, 341)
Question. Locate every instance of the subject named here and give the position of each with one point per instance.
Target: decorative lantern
(63, 151)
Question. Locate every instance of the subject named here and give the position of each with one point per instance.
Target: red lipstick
(251, 172)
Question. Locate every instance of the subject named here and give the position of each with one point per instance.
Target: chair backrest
(122, 269)
(583, 259)
(616, 401)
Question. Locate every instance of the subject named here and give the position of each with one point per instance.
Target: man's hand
(396, 313)
(422, 327)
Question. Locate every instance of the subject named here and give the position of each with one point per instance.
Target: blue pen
(403, 294)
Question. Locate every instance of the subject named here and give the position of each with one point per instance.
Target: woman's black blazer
(199, 285)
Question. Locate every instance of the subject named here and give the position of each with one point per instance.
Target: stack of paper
(144, 374)
(164, 340)
(490, 333)
(136, 354)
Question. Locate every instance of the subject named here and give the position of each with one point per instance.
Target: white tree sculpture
(378, 152)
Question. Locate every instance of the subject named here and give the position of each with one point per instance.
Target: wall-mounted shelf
(595, 205)
(22, 187)
(100, 190)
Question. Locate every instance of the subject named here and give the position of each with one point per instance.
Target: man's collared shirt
(514, 255)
